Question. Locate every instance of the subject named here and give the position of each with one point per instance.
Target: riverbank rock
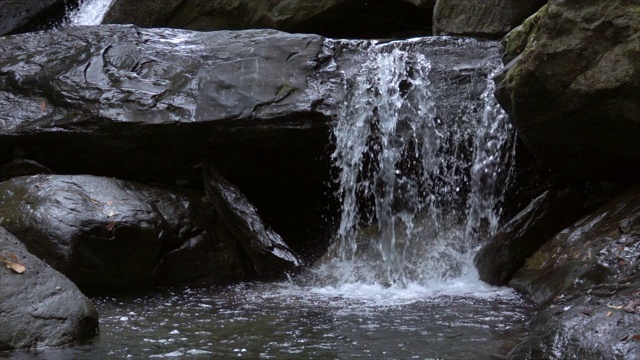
(110, 234)
(587, 278)
(39, 307)
(574, 92)
(523, 235)
(29, 15)
(269, 254)
(487, 18)
(331, 18)
(150, 105)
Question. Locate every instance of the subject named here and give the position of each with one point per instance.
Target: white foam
(90, 12)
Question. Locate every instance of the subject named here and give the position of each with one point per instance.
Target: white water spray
(420, 182)
(89, 12)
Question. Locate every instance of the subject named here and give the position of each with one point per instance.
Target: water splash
(420, 178)
(89, 12)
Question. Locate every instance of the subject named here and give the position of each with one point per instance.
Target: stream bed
(286, 321)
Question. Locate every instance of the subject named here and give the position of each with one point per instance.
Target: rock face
(150, 105)
(27, 15)
(39, 307)
(574, 92)
(110, 234)
(487, 18)
(523, 235)
(332, 18)
(269, 254)
(587, 277)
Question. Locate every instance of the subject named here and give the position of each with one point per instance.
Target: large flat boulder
(574, 91)
(39, 307)
(111, 234)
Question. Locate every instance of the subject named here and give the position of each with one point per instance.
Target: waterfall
(89, 12)
(423, 153)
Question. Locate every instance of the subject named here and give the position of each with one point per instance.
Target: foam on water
(420, 188)
(89, 12)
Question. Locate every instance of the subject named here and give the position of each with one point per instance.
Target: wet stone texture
(39, 306)
(587, 279)
(112, 234)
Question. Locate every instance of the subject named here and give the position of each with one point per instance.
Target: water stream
(421, 175)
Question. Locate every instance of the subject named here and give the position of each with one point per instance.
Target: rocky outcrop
(574, 92)
(110, 234)
(487, 18)
(28, 15)
(39, 307)
(269, 254)
(332, 18)
(151, 105)
(588, 280)
(523, 235)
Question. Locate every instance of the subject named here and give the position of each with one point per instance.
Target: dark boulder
(522, 236)
(269, 254)
(574, 91)
(18, 16)
(39, 307)
(588, 280)
(110, 234)
(487, 18)
(331, 18)
(150, 104)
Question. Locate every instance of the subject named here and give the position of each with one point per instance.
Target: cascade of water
(420, 183)
(89, 12)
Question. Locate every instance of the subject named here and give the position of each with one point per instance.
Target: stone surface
(332, 18)
(269, 254)
(522, 236)
(588, 281)
(574, 92)
(150, 105)
(39, 307)
(18, 16)
(487, 18)
(110, 234)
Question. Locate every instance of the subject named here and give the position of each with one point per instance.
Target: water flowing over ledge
(89, 12)
(421, 173)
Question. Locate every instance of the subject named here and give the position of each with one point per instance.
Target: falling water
(420, 179)
(89, 12)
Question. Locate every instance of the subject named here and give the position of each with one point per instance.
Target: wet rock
(574, 92)
(110, 234)
(39, 307)
(332, 18)
(589, 326)
(492, 18)
(588, 281)
(591, 252)
(28, 15)
(22, 167)
(269, 254)
(523, 235)
(516, 40)
(150, 104)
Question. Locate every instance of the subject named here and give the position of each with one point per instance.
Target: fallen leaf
(109, 202)
(43, 105)
(636, 337)
(17, 267)
(615, 307)
(111, 213)
(12, 256)
(609, 313)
